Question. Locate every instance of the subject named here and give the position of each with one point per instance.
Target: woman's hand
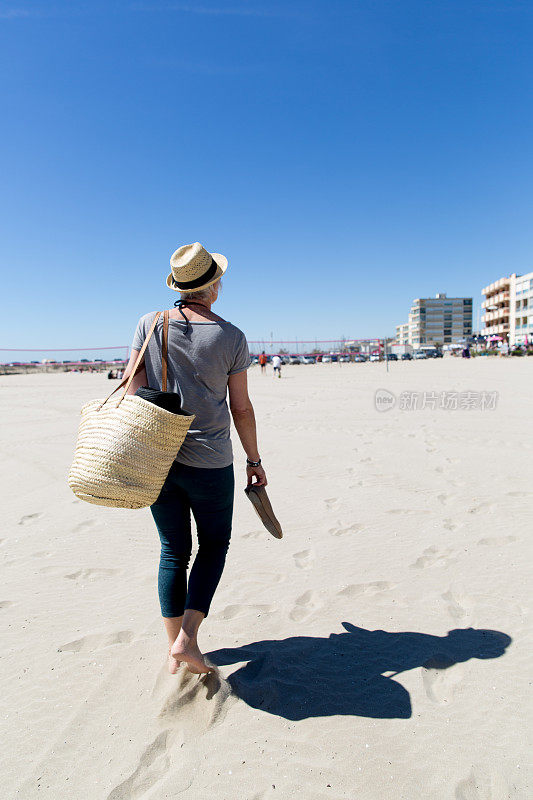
(257, 472)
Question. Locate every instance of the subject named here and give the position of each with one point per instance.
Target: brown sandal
(259, 499)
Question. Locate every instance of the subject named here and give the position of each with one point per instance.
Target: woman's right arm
(140, 378)
(243, 415)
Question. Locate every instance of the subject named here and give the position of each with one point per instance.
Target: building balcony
(496, 299)
(500, 315)
(492, 330)
(501, 285)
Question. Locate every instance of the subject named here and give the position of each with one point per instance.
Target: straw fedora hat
(193, 268)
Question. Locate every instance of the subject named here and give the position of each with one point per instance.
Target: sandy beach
(379, 651)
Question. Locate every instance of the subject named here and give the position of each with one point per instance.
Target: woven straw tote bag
(125, 449)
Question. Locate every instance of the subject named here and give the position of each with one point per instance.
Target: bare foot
(173, 664)
(187, 650)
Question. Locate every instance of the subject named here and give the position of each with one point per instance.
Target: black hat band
(208, 274)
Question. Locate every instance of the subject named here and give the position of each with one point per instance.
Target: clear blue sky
(364, 151)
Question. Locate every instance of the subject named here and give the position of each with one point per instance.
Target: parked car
(308, 360)
(344, 359)
(420, 354)
(392, 357)
(374, 357)
(407, 357)
(326, 359)
(359, 358)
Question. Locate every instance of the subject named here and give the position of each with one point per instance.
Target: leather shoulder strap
(136, 366)
(164, 354)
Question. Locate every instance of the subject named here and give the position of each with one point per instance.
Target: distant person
(263, 362)
(276, 363)
(466, 352)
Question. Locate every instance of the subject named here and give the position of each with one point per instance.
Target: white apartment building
(508, 309)
(522, 311)
(437, 321)
(402, 334)
(496, 306)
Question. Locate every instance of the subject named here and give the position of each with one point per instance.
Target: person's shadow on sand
(306, 676)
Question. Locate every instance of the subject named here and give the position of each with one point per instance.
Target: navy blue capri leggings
(208, 493)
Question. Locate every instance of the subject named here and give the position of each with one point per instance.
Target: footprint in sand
(5, 603)
(331, 502)
(252, 535)
(96, 641)
(241, 610)
(355, 589)
(519, 494)
(449, 525)
(440, 680)
(304, 559)
(432, 555)
(83, 526)
(456, 605)
(497, 540)
(482, 784)
(152, 767)
(305, 605)
(192, 704)
(481, 507)
(355, 528)
(91, 573)
(29, 518)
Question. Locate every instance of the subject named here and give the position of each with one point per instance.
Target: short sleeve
(241, 360)
(139, 335)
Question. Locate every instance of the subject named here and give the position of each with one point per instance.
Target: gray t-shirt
(199, 363)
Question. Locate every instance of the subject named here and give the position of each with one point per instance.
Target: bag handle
(136, 366)
(164, 359)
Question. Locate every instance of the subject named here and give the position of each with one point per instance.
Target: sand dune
(380, 650)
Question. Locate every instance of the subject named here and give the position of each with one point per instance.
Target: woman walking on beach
(207, 358)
